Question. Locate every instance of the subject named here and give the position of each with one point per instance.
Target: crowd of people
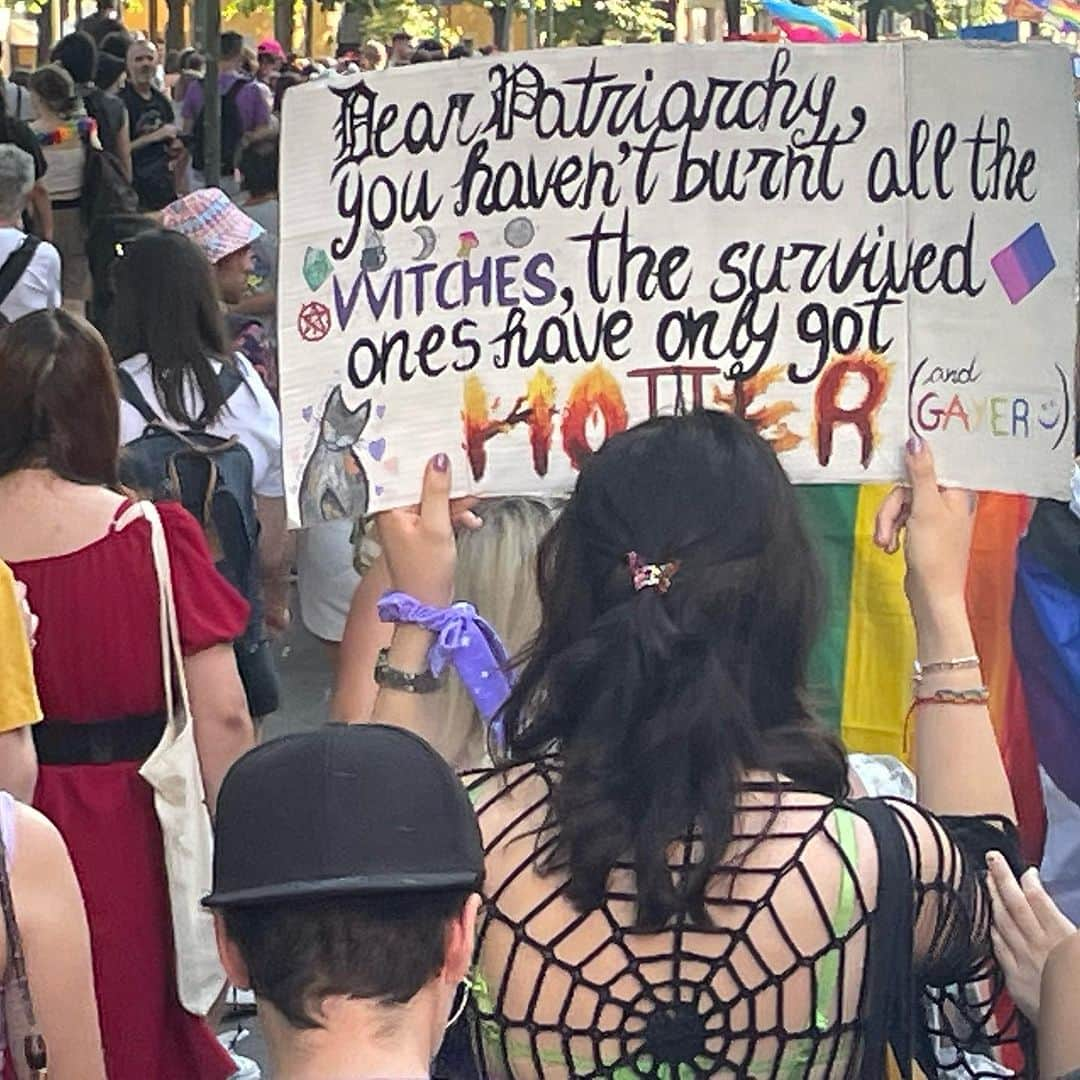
(642, 857)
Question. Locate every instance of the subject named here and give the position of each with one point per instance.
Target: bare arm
(56, 941)
(1059, 1033)
(365, 635)
(41, 210)
(958, 761)
(166, 132)
(223, 728)
(18, 763)
(275, 553)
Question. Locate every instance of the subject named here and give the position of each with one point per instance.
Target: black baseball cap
(346, 810)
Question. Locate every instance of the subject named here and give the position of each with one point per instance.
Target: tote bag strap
(172, 658)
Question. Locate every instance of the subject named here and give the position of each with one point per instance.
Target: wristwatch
(419, 682)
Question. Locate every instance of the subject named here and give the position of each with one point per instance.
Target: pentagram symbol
(314, 321)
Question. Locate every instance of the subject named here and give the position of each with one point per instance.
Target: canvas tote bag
(172, 770)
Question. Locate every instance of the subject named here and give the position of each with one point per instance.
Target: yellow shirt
(19, 704)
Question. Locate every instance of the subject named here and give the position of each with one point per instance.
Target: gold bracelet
(977, 695)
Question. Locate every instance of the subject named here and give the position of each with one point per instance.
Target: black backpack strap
(229, 378)
(15, 265)
(131, 393)
(890, 1015)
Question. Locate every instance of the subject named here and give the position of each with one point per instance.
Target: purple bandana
(464, 639)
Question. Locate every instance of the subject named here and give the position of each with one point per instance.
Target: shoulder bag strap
(172, 657)
(229, 378)
(130, 392)
(34, 1050)
(15, 265)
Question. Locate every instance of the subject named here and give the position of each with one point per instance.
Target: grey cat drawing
(335, 485)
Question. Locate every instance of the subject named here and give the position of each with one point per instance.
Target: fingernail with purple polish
(441, 463)
(914, 444)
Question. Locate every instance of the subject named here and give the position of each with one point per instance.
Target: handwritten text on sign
(511, 260)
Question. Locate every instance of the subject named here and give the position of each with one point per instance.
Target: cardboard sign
(510, 260)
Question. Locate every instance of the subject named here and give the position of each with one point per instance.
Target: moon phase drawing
(519, 232)
(428, 240)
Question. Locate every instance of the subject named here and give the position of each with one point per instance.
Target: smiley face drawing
(1049, 414)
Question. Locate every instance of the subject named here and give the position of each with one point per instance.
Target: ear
(229, 954)
(363, 414)
(460, 941)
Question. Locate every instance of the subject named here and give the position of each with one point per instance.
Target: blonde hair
(496, 573)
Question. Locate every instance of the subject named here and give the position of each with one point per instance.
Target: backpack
(211, 477)
(13, 269)
(232, 130)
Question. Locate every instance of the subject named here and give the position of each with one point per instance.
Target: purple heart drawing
(376, 448)
(379, 489)
(307, 412)
(380, 411)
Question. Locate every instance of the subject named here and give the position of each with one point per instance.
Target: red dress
(98, 658)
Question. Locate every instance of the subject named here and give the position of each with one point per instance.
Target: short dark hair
(116, 43)
(259, 165)
(77, 55)
(231, 45)
(383, 948)
(109, 69)
(59, 402)
(56, 88)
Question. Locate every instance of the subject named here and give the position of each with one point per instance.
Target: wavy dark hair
(167, 306)
(657, 704)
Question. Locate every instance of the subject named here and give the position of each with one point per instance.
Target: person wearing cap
(347, 865)
(270, 61)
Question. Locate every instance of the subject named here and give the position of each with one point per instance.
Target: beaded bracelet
(978, 695)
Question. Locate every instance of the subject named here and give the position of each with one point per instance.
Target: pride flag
(860, 674)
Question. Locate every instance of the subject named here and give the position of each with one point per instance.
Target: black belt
(131, 739)
(67, 204)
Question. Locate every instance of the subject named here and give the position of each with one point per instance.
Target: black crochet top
(781, 984)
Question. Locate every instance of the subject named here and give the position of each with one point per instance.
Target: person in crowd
(192, 69)
(62, 128)
(77, 55)
(285, 81)
(460, 51)
(116, 44)
(45, 945)
(169, 336)
(102, 22)
(270, 60)
(496, 572)
(14, 132)
(16, 99)
(227, 237)
(19, 705)
(243, 108)
(433, 48)
(252, 318)
(346, 868)
(156, 147)
(171, 70)
(110, 74)
(29, 267)
(664, 799)
(401, 50)
(372, 56)
(83, 551)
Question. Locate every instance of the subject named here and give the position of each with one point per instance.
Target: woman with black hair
(169, 332)
(677, 884)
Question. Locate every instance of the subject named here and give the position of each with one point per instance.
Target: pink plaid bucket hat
(213, 221)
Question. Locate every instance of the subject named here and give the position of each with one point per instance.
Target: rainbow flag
(860, 675)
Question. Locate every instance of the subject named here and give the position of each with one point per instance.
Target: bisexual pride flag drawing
(1025, 263)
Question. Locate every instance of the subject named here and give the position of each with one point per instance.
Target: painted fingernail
(440, 463)
(914, 444)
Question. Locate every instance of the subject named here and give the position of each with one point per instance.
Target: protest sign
(509, 260)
